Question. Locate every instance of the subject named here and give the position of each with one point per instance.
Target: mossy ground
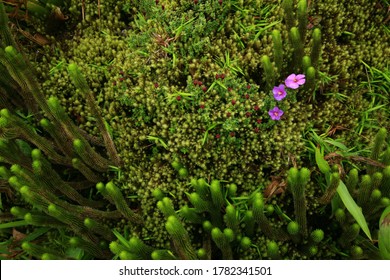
(183, 81)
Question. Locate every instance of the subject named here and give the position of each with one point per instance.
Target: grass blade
(337, 144)
(121, 239)
(353, 208)
(14, 224)
(321, 162)
(384, 234)
(35, 234)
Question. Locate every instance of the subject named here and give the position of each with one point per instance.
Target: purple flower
(294, 81)
(279, 92)
(275, 113)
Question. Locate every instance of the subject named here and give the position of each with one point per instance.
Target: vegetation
(194, 129)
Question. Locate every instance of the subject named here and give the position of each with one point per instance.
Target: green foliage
(331, 188)
(321, 163)
(306, 63)
(222, 240)
(379, 142)
(81, 84)
(120, 202)
(384, 234)
(297, 44)
(302, 18)
(297, 180)
(278, 49)
(166, 207)
(310, 79)
(273, 250)
(269, 71)
(316, 47)
(288, 13)
(177, 96)
(5, 33)
(180, 238)
(317, 235)
(345, 196)
(89, 247)
(134, 248)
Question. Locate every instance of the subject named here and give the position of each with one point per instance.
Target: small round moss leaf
(293, 228)
(245, 242)
(317, 235)
(183, 172)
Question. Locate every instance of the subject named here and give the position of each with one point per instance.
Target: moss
(177, 94)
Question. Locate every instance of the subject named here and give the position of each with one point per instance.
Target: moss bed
(194, 129)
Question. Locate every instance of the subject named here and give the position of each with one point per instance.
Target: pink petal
(291, 84)
(291, 77)
(301, 82)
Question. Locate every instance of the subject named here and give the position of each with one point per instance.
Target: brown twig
(99, 8)
(366, 160)
(277, 186)
(83, 9)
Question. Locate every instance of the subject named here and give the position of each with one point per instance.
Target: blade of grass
(13, 224)
(353, 208)
(322, 164)
(336, 143)
(35, 234)
(121, 239)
